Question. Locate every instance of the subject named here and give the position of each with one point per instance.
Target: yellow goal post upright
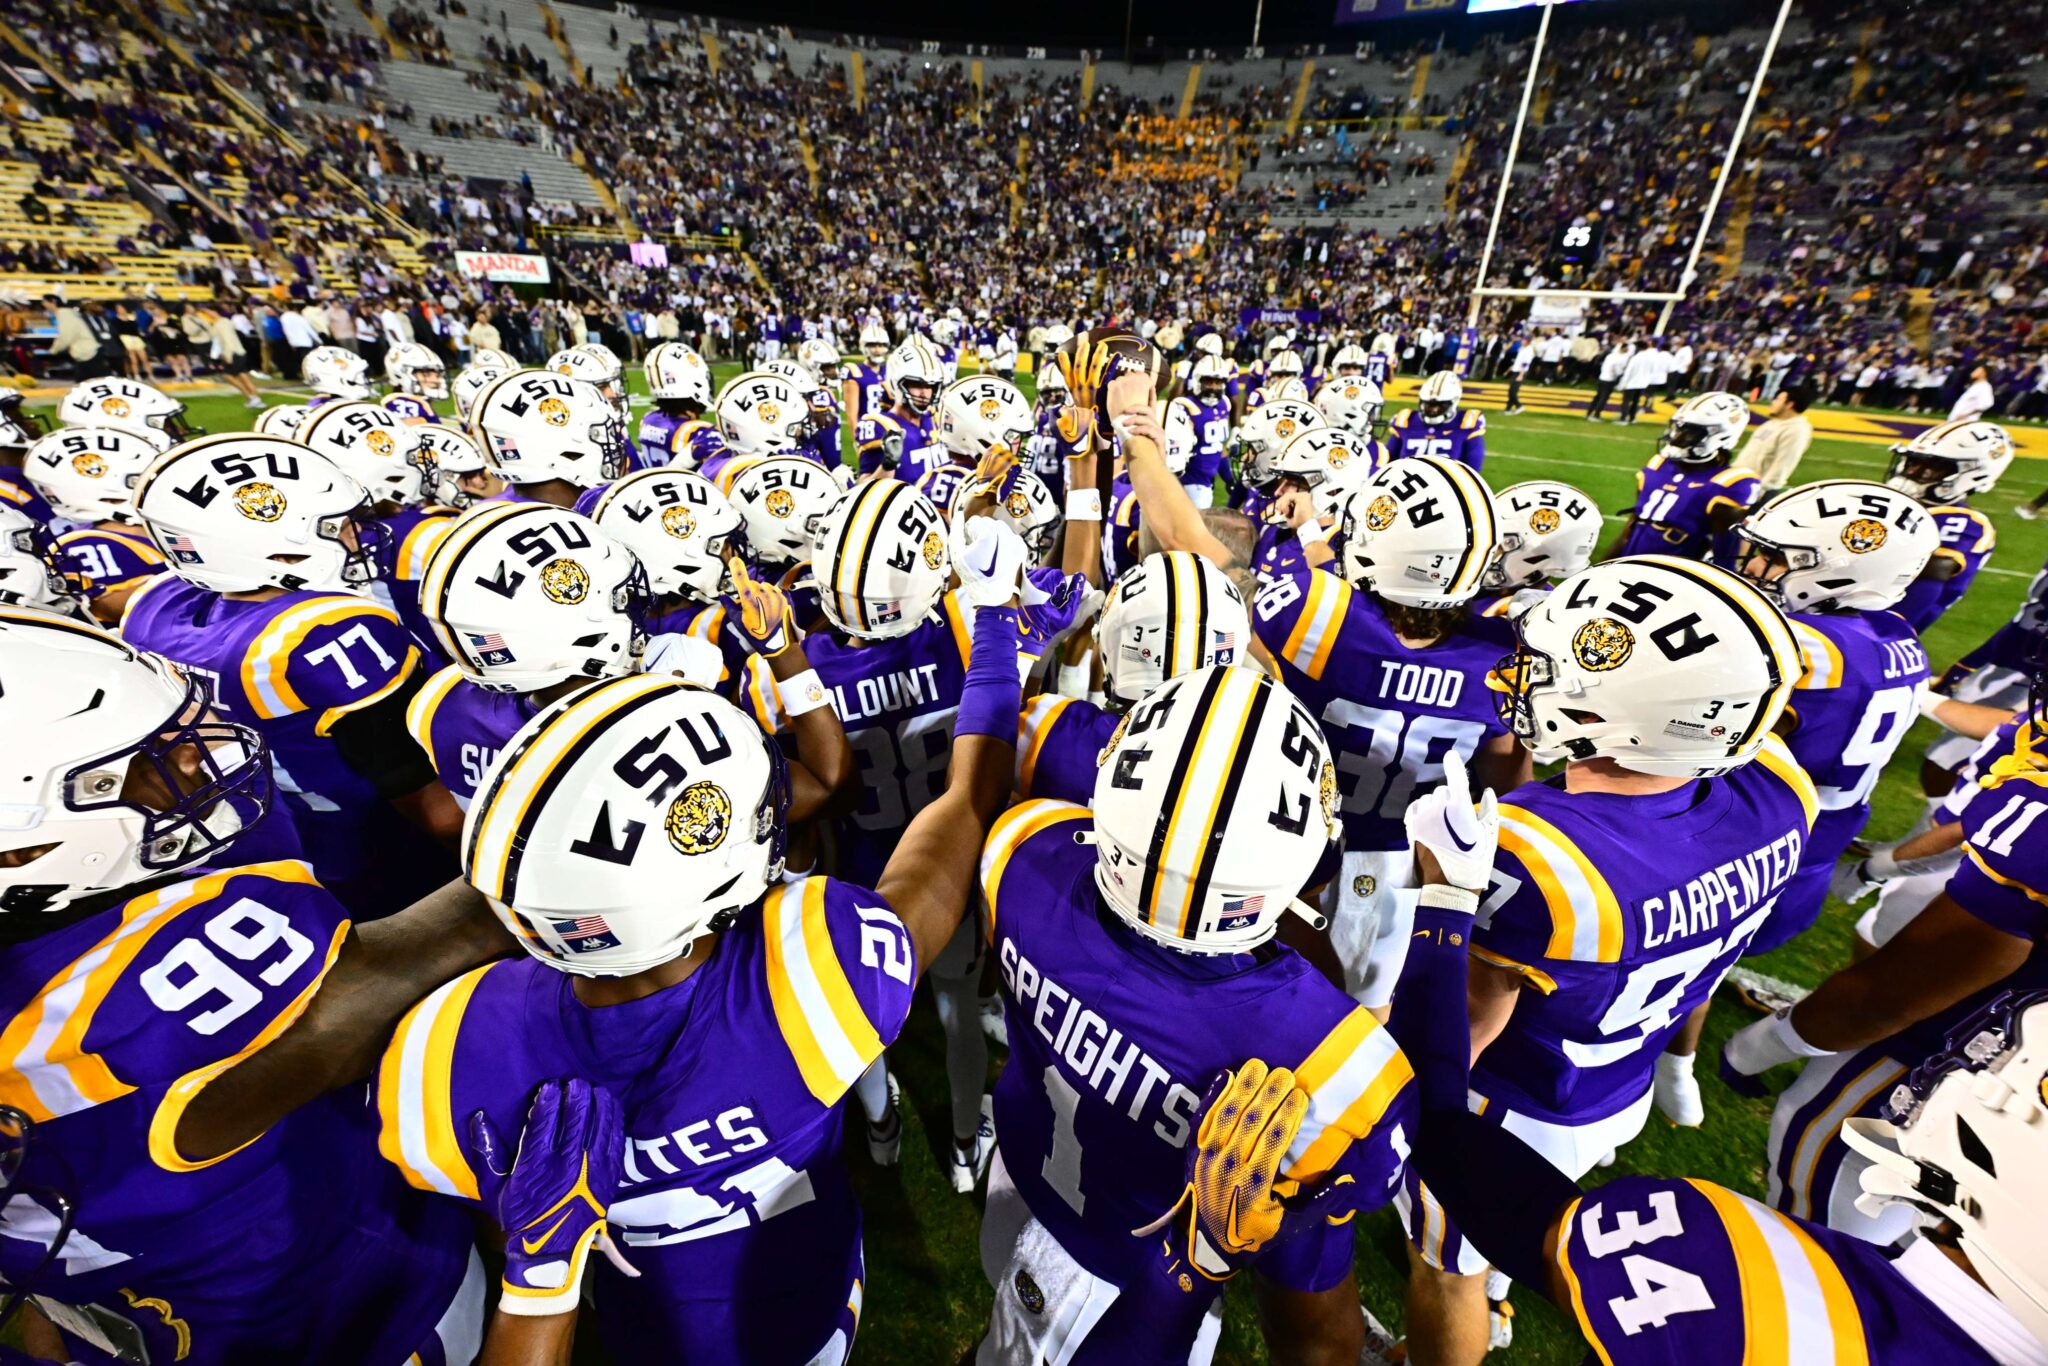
(1481, 291)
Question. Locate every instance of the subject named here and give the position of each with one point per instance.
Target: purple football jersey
(110, 558)
(116, 1023)
(1050, 452)
(16, 492)
(1673, 502)
(410, 408)
(872, 392)
(1212, 437)
(1278, 552)
(1622, 913)
(1671, 1272)
(412, 533)
(2003, 878)
(943, 484)
(686, 443)
(1967, 539)
(734, 1204)
(1462, 439)
(916, 450)
(1059, 743)
(462, 727)
(1392, 712)
(1379, 368)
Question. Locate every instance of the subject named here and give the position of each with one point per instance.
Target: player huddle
(466, 828)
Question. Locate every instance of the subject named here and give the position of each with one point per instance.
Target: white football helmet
(874, 343)
(600, 365)
(537, 425)
(1422, 532)
(130, 405)
(374, 447)
(579, 784)
(677, 374)
(764, 413)
(1030, 510)
(1351, 405)
(1706, 428)
(1952, 461)
(913, 374)
(1169, 614)
(822, 357)
(238, 512)
(1209, 344)
(678, 523)
(31, 571)
(490, 357)
(1438, 401)
(92, 724)
(1839, 545)
(523, 596)
(1210, 377)
(413, 369)
(980, 415)
(1054, 337)
(1349, 362)
(1177, 421)
(1960, 1139)
(1663, 665)
(1050, 383)
(1383, 344)
(89, 474)
(781, 500)
(337, 372)
(1285, 365)
(470, 384)
(1548, 531)
(1330, 464)
(283, 420)
(453, 457)
(1264, 431)
(880, 560)
(1285, 389)
(793, 370)
(1214, 801)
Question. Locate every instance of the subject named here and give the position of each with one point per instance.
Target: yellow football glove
(764, 613)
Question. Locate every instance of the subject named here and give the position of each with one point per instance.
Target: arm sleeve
(375, 741)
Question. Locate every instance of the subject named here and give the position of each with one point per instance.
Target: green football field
(926, 1299)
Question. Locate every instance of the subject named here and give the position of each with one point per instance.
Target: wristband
(1444, 897)
(1084, 505)
(801, 693)
(1312, 532)
(1074, 679)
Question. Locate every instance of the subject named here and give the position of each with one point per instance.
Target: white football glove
(1461, 835)
(1852, 881)
(991, 562)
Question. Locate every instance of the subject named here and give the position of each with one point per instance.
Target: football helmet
(490, 357)
(1839, 545)
(1264, 431)
(795, 371)
(1960, 1139)
(1050, 384)
(1330, 464)
(874, 343)
(653, 754)
(679, 525)
(1055, 336)
(1422, 532)
(600, 365)
(238, 512)
(1028, 508)
(129, 405)
(1210, 377)
(1663, 665)
(1349, 362)
(523, 596)
(822, 357)
(31, 572)
(18, 426)
(913, 374)
(1209, 344)
(1705, 429)
(764, 413)
(452, 456)
(980, 415)
(880, 560)
(283, 420)
(1437, 402)
(470, 384)
(1350, 405)
(1548, 530)
(337, 372)
(1214, 800)
(374, 447)
(89, 474)
(1169, 614)
(413, 369)
(1177, 420)
(1950, 462)
(677, 374)
(1287, 388)
(1285, 365)
(537, 425)
(780, 501)
(115, 768)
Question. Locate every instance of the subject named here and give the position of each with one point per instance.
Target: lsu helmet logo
(1353, 392)
(259, 502)
(990, 410)
(1017, 505)
(380, 444)
(1326, 789)
(780, 503)
(1863, 535)
(1116, 737)
(113, 405)
(1380, 513)
(679, 522)
(1543, 521)
(553, 411)
(1284, 428)
(698, 820)
(564, 581)
(89, 465)
(771, 413)
(1338, 457)
(934, 550)
(1602, 644)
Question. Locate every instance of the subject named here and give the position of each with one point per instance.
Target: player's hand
(1852, 881)
(1454, 838)
(556, 1190)
(992, 473)
(1292, 508)
(1073, 423)
(764, 613)
(990, 563)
